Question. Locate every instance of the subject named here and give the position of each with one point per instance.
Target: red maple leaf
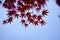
(39, 17)
(43, 2)
(16, 15)
(21, 9)
(36, 23)
(26, 25)
(4, 22)
(42, 22)
(58, 2)
(44, 12)
(30, 20)
(34, 16)
(28, 14)
(11, 13)
(11, 6)
(5, 5)
(23, 21)
(22, 15)
(9, 20)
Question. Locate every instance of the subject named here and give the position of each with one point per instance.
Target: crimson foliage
(58, 2)
(23, 6)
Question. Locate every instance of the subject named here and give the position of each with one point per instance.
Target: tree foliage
(22, 6)
(58, 2)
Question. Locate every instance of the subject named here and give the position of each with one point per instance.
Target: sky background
(16, 31)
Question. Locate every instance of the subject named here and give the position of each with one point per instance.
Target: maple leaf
(58, 2)
(26, 7)
(23, 21)
(43, 2)
(16, 15)
(34, 16)
(39, 17)
(4, 22)
(11, 6)
(26, 25)
(11, 13)
(21, 9)
(22, 15)
(28, 14)
(44, 12)
(36, 23)
(30, 20)
(9, 20)
(8, 5)
(42, 22)
(5, 5)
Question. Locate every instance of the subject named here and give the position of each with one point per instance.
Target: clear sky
(16, 31)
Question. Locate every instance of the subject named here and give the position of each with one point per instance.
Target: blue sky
(16, 31)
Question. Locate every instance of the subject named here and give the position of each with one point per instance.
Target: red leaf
(11, 6)
(22, 15)
(28, 14)
(16, 15)
(20, 9)
(23, 21)
(9, 20)
(58, 2)
(26, 25)
(36, 23)
(4, 22)
(5, 5)
(43, 2)
(30, 20)
(42, 22)
(44, 12)
(39, 17)
(11, 13)
(34, 16)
